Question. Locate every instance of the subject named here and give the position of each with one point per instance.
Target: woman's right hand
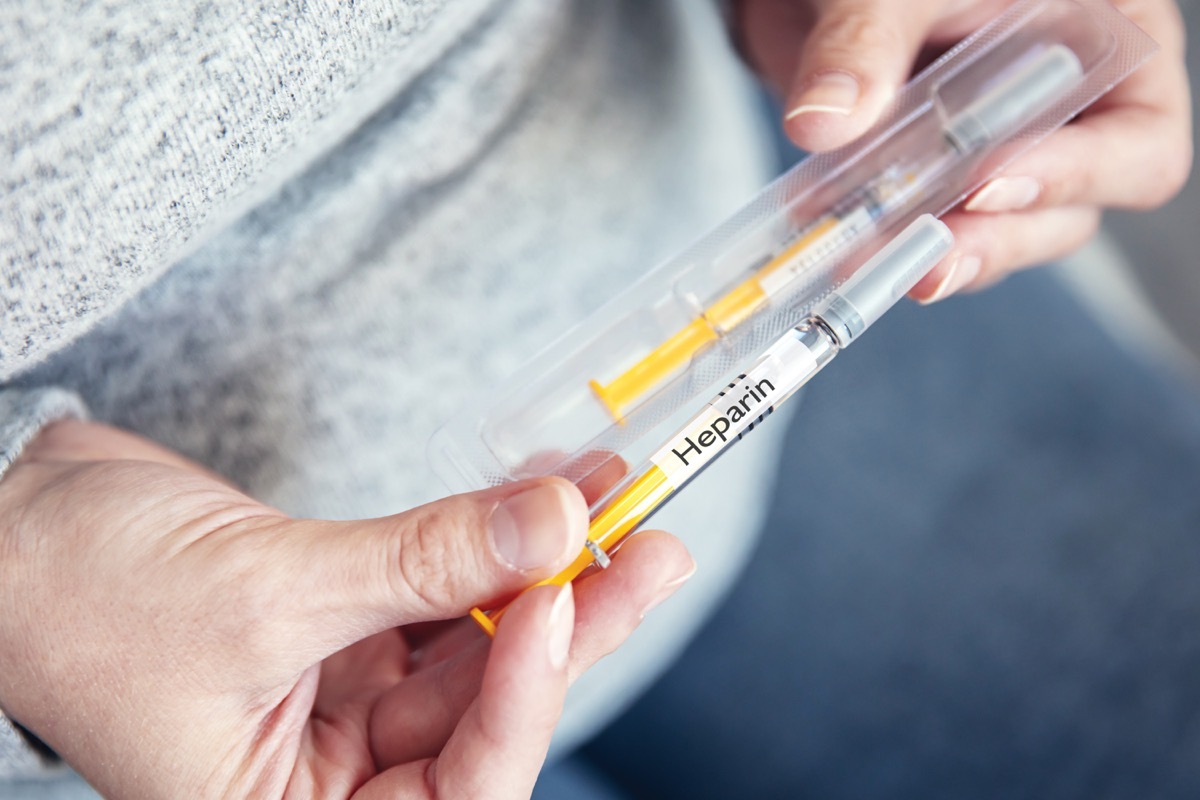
(171, 637)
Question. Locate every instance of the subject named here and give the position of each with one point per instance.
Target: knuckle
(853, 30)
(422, 565)
(1164, 19)
(1166, 175)
(1073, 186)
(1177, 167)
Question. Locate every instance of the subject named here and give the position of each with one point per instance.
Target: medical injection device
(782, 285)
(775, 376)
(1019, 96)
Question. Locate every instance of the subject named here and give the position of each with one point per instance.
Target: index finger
(852, 62)
(498, 746)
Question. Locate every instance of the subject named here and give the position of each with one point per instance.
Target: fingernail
(963, 270)
(561, 627)
(831, 92)
(538, 526)
(1005, 194)
(669, 589)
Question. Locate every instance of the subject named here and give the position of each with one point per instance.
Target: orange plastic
(618, 519)
(725, 314)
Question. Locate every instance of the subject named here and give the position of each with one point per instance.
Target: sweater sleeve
(133, 130)
(23, 412)
(21, 757)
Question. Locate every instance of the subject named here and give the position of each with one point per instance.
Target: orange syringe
(618, 519)
(829, 236)
(1041, 78)
(747, 400)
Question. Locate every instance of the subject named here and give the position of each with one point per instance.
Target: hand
(171, 637)
(838, 63)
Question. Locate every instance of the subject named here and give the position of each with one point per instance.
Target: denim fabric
(980, 578)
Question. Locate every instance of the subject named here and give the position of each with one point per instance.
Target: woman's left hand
(837, 64)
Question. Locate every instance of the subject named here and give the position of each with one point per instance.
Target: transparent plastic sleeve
(624, 380)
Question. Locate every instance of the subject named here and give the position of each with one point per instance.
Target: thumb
(433, 562)
(854, 59)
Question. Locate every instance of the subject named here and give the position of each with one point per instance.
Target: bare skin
(837, 63)
(172, 637)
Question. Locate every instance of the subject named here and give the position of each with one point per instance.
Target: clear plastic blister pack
(623, 382)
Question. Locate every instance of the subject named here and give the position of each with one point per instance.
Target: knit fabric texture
(288, 241)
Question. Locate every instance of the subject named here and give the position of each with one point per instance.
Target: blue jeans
(980, 578)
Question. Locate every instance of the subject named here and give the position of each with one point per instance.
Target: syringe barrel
(1033, 87)
(889, 275)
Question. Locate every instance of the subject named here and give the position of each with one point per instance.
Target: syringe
(1042, 78)
(781, 370)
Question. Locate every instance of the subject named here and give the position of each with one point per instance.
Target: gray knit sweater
(255, 231)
